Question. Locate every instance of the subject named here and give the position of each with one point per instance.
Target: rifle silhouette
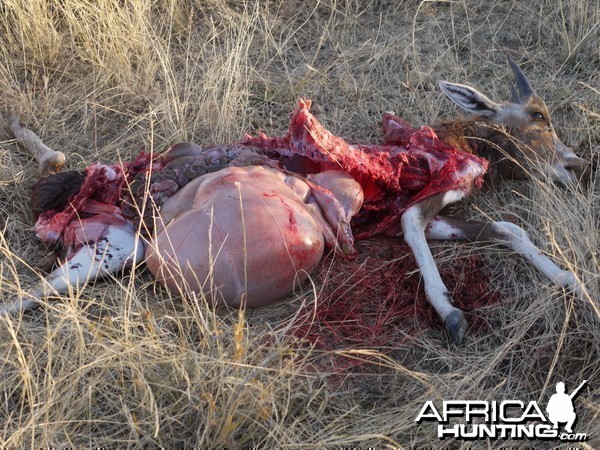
(576, 391)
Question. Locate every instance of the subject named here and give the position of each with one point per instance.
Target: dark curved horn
(515, 95)
(524, 89)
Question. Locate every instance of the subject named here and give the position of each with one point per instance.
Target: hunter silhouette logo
(506, 419)
(560, 407)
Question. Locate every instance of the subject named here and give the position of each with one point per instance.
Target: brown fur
(484, 138)
(519, 139)
(54, 191)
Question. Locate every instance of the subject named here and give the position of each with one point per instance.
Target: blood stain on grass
(376, 301)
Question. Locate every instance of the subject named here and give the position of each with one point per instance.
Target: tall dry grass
(123, 363)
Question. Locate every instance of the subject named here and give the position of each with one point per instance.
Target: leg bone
(49, 160)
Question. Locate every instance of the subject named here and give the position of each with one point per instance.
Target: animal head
(527, 134)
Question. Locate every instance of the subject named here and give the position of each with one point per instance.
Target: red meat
(99, 193)
(412, 166)
(85, 218)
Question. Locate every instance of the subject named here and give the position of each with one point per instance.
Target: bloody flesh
(413, 166)
(83, 220)
(410, 167)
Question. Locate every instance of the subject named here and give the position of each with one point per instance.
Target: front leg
(414, 222)
(508, 235)
(116, 250)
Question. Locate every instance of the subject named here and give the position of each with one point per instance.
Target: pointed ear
(470, 99)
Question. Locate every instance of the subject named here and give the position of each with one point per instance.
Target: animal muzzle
(570, 170)
(579, 168)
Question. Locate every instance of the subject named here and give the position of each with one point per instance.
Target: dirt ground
(123, 363)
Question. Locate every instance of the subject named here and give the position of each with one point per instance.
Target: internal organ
(257, 228)
(251, 233)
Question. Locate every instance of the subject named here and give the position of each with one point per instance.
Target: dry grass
(122, 363)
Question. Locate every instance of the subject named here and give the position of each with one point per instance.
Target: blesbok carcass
(244, 223)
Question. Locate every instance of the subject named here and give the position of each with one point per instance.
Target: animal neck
(468, 135)
(481, 137)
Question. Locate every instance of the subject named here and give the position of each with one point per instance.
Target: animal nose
(580, 168)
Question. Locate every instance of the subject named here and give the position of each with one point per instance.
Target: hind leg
(116, 250)
(508, 235)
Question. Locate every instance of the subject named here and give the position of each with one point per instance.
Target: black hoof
(456, 326)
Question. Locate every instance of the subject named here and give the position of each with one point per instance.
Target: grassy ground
(123, 363)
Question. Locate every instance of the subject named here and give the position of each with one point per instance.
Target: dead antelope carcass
(247, 221)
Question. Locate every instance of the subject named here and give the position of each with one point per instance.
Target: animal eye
(537, 115)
